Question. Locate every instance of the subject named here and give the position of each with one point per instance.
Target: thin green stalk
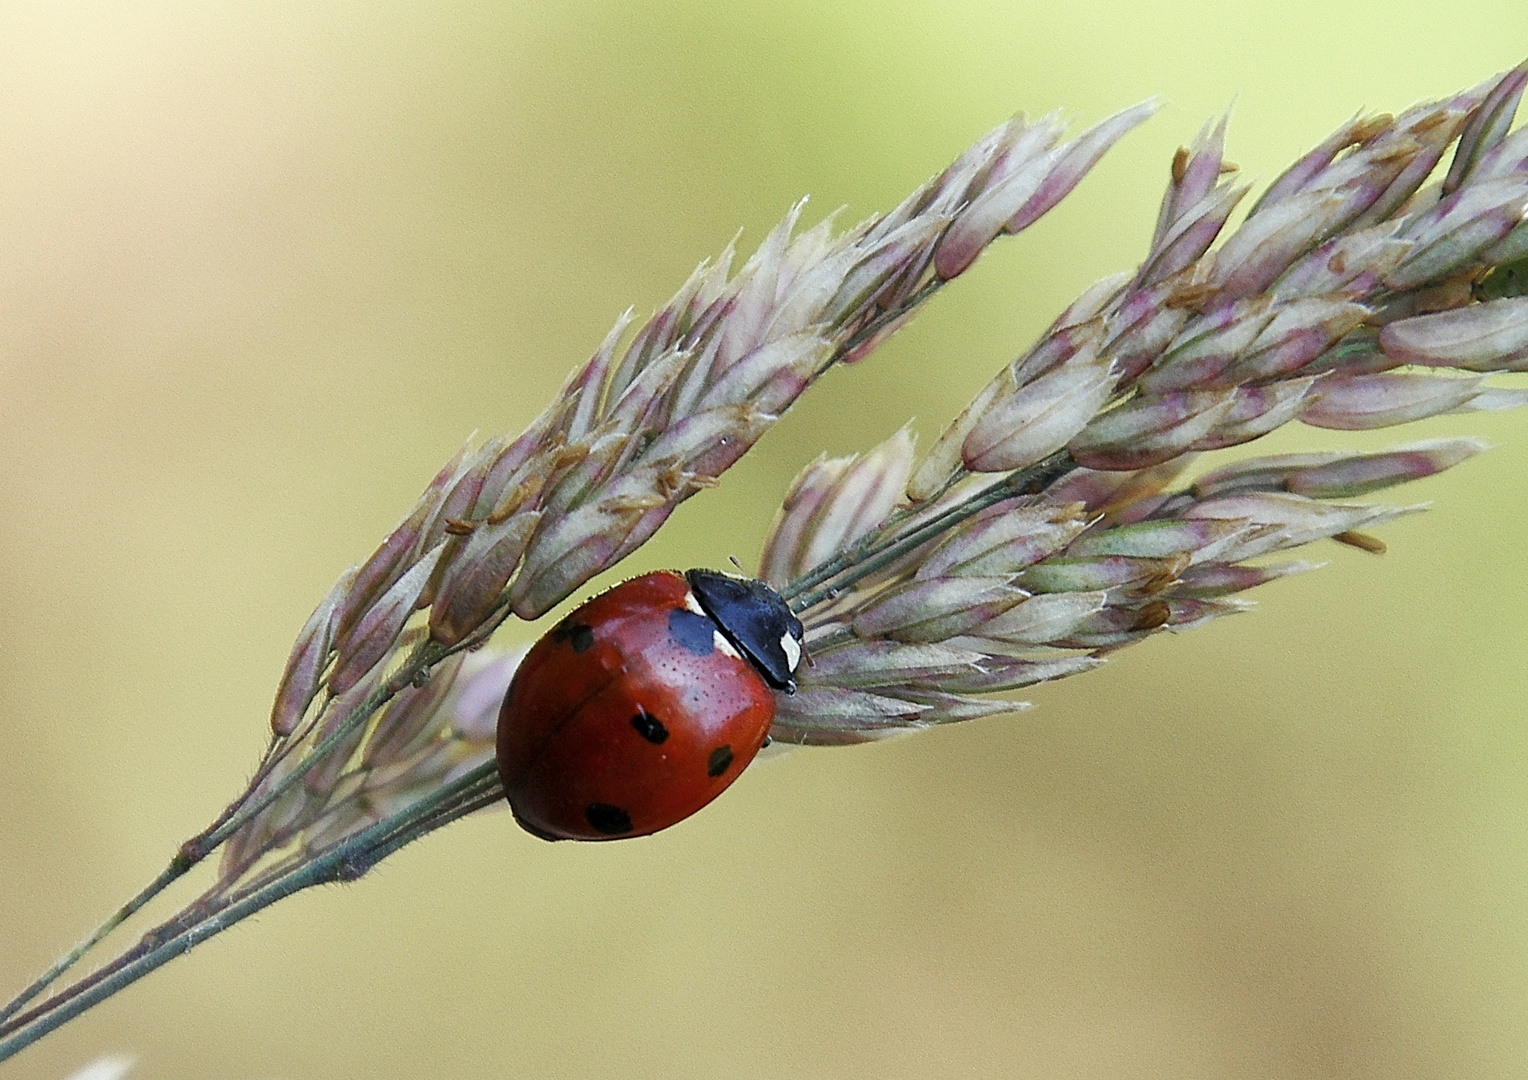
(471, 803)
(869, 542)
(194, 850)
(886, 318)
(39, 1024)
(864, 559)
(178, 866)
(182, 920)
(425, 657)
(1031, 480)
(94, 938)
(470, 792)
(345, 861)
(865, 545)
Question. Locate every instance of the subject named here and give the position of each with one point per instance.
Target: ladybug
(642, 705)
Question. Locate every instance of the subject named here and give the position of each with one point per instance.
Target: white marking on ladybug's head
(724, 646)
(792, 649)
(692, 604)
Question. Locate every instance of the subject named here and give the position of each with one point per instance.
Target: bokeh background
(263, 266)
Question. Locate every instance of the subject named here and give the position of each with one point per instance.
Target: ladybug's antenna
(733, 560)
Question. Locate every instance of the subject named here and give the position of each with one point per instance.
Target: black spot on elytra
(719, 761)
(581, 637)
(693, 632)
(610, 820)
(649, 726)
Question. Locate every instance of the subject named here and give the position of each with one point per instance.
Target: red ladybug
(644, 704)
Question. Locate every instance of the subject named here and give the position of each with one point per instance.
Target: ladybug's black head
(755, 620)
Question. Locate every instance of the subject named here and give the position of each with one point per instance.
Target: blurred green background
(264, 266)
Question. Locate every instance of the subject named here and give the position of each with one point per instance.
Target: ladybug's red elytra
(642, 705)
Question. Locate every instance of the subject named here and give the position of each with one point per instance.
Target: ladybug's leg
(539, 834)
